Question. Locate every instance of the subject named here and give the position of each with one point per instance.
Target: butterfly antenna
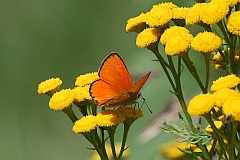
(144, 102)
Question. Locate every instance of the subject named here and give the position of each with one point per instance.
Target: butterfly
(115, 86)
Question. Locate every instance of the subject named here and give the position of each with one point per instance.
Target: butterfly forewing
(114, 80)
(114, 72)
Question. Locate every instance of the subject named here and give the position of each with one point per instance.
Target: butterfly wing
(114, 72)
(137, 86)
(114, 80)
(129, 97)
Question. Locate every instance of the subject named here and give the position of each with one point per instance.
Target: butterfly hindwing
(137, 86)
(102, 92)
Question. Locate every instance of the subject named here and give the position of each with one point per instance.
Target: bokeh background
(40, 39)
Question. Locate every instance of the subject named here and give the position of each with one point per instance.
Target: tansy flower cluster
(106, 118)
(175, 28)
(157, 25)
(219, 59)
(64, 98)
(221, 107)
(92, 120)
(225, 97)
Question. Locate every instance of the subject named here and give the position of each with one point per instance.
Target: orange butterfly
(115, 86)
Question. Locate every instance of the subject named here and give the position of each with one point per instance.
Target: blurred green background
(40, 39)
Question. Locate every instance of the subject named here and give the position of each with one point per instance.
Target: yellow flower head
(180, 12)
(195, 12)
(61, 99)
(229, 3)
(214, 12)
(201, 104)
(218, 59)
(86, 79)
(85, 124)
(49, 86)
(160, 14)
(170, 150)
(223, 95)
(178, 45)
(81, 93)
(108, 118)
(233, 23)
(206, 42)
(130, 112)
(218, 125)
(136, 24)
(232, 107)
(174, 31)
(229, 81)
(148, 37)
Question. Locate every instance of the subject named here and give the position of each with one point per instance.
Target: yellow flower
(229, 81)
(195, 12)
(199, 150)
(61, 99)
(233, 23)
(174, 31)
(108, 118)
(130, 112)
(86, 79)
(218, 59)
(180, 12)
(201, 104)
(85, 124)
(81, 93)
(229, 3)
(214, 12)
(148, 37)
(160, 14)
(206, 42)
(223, 95)
(170, 150)
(126, 152)
(49, 86)
(178, 45)
(136, 24)
(218, 125)
(232, 107)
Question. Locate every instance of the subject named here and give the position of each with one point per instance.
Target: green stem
(233, 141)
(111, 132)
(124, 139)
(163, 62)
(217, 133)
(222, 28)
(189, 119)
(207, 63)
(94, 108)
(179, 94)
(69, 112)
(100, 150)
(193, 71)
(100, 144)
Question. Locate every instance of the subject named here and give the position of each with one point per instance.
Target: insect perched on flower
(115, 86)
